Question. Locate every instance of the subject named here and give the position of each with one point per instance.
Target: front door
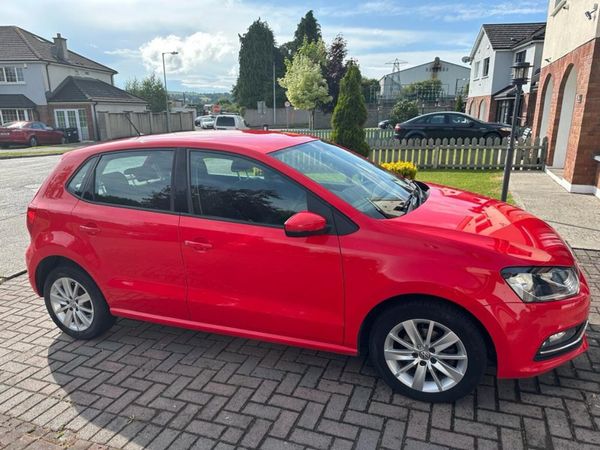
(133, 236)
(244, 273)
(73, 118)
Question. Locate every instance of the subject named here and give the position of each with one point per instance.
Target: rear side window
(225, 121)
(139, 179)
(76, 185)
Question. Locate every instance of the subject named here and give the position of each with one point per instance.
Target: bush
(350, 113)
(402, 168)
(404, 110)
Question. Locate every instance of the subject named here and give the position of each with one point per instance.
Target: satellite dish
(466, 59)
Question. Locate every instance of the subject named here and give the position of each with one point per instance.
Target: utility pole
(166, 90)
(274, 102)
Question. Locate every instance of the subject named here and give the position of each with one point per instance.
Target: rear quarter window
(225, 122)
(77, 183)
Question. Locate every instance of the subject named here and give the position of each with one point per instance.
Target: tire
(63, 140)
(415, 136)
(492, 136)
(467, 357)
(33, 142)
(58, 288)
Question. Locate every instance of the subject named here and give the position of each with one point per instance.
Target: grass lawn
(485, 182)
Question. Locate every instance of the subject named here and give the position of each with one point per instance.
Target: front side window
(358, 182)
(234, 188)
(139, 179)
(457, 119)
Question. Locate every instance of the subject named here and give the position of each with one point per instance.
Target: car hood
(472, 219)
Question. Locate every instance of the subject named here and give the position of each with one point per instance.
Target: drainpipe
(96, 129)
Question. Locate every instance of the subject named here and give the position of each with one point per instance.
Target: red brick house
(568, 107)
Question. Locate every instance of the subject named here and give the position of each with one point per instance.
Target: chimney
(60, 47)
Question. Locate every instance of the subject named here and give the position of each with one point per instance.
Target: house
(453, 77)
(496, 49)
(43, 80)
(568, 107)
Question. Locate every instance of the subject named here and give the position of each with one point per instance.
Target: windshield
(365, 186)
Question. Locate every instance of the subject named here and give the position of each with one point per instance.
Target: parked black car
(449, 124)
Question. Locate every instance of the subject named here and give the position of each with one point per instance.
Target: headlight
(542, 284)
(505, 129)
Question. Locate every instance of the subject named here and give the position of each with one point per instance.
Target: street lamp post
(520, 76)
(166, 90)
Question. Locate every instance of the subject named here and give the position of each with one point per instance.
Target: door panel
(136, 252)
(256, 278)
(243, 271)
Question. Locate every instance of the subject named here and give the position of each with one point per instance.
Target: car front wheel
(75, 303)
(33, 142)
(428, 350)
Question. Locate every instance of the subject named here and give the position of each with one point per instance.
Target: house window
(13, 115)
(520, 56)
(486, 67)
(476, 70)
(11, 74)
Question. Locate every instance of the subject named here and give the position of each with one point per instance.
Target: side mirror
(305, 223)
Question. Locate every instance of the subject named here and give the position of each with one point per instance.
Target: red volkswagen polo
(289, 239)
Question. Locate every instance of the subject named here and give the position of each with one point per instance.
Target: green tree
(308, 29)
(304, 83)
(350, 113)
(256, 57)
(404, 110)
(150, 89)
(335, 69)
(370, 89)
(459, 105)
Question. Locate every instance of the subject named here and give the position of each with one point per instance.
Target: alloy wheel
(71, 304)
(425, 355)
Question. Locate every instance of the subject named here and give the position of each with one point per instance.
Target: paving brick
(148, 386)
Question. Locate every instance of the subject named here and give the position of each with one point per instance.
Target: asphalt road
(19, 181)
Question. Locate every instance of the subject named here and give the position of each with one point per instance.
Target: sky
(129, 35)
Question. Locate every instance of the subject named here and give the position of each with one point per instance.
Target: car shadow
(141, 381)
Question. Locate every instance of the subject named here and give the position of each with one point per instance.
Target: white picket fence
(472, 154)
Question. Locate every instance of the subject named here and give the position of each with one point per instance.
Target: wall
(584, 133)
(121, 107)
(568, 29)
(34, 86)
(57, 73)
(117, 125)
(299, 118)
(391, 84)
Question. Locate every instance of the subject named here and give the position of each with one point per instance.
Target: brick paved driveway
(145, 385)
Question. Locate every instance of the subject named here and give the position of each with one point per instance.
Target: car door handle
(198, 246)
(90, 228)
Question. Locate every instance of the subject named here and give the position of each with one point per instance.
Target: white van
(230, 122)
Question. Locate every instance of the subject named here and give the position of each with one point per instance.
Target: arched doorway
(564, 121)
(546, 101)
(482, 110)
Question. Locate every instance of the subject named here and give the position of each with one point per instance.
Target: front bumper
(526, 326)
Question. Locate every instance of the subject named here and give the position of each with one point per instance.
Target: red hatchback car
(289, 239)
(29, 133)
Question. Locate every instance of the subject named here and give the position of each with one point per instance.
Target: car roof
(257, 141)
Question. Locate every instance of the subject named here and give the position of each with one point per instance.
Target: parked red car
(293, 240)
(29, 133)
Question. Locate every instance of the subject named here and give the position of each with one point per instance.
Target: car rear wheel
(492, 136)
(33, 142)
(428, 350)
(63, 140)
(75, 303)
(415, 136)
